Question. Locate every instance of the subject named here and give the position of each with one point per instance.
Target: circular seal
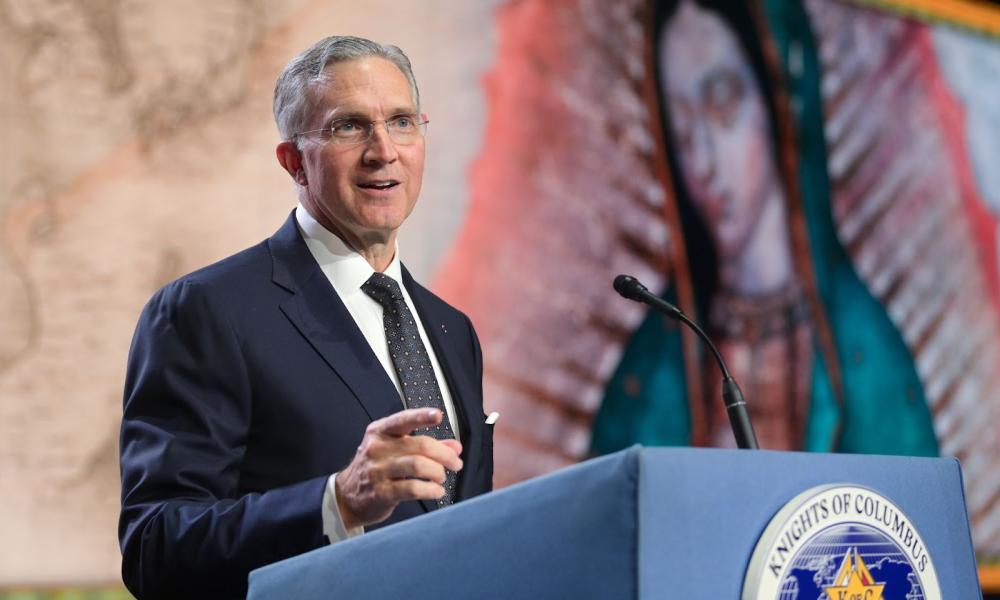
(840, 542)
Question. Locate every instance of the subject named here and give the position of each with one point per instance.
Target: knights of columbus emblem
(841, 542)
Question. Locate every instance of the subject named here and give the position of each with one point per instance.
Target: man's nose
(380, 148)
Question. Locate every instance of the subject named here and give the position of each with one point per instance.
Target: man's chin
(376, 231)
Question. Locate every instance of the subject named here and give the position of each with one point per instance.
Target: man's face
(361, 192)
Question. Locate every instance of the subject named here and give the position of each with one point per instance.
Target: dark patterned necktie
(413, 365)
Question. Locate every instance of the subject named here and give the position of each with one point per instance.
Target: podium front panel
(701, 512)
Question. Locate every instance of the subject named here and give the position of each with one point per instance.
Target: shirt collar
(346, 269)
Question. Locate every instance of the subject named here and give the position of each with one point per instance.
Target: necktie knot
(383, 289)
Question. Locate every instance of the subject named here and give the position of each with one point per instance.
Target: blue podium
(668, 523)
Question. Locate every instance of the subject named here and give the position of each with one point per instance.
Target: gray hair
(292, 88)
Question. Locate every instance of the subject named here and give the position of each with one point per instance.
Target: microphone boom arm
(736, 407)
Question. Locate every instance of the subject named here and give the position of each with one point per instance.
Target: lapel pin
(443, 328)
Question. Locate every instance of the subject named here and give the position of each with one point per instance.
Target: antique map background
(136, 144)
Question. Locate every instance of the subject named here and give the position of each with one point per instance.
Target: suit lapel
(316, 310)
(467, 402)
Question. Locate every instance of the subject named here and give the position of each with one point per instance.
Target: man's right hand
(392, 466)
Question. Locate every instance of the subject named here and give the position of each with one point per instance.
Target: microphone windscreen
(629, 287)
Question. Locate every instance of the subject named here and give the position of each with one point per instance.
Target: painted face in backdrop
(362, 192)
(719, 125)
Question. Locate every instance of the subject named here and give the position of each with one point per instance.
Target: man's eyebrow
(348, 114)
(354, 114)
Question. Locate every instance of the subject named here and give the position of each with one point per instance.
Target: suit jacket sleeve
(186, 528)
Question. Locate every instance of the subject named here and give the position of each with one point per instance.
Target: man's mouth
(379, 185)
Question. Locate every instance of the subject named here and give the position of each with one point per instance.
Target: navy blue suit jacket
(248, 384)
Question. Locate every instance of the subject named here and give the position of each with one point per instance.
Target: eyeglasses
(402, 129)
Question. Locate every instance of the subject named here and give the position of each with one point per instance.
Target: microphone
(739, 419)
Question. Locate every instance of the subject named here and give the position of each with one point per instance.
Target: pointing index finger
(405, 421)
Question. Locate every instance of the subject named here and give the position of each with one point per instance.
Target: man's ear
(290, 158)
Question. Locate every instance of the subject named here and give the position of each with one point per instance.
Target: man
(264, 400)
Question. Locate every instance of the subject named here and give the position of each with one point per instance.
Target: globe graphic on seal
(850, 551)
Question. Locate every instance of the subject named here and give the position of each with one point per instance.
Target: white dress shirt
(348, 271)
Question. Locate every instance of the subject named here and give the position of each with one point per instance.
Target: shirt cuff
(333, 522)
